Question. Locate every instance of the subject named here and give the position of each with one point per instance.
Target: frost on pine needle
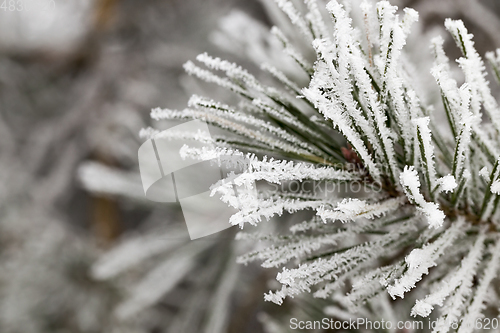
(455, 279)
(428, 208)
(353, 209)
(421, 259)
(411, 185)
(475, 309)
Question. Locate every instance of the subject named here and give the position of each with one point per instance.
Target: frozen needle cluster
(341, 108)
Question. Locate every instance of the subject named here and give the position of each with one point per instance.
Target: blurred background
(81, 250)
